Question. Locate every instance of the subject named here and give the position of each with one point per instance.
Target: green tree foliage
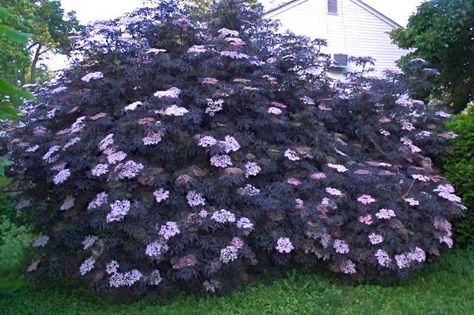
(51, 28)
(459, 168)
(442, 33)
(9, 94)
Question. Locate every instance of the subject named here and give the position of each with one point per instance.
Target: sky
(93, 10)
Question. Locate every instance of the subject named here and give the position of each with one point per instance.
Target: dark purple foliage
(185, 154)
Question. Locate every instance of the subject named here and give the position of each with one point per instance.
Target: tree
(188, 152)
(442, 33)
(50, 28)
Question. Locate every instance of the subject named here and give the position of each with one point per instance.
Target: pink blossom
(235, 41)
(169, 230)
(375, 238)
(443, 114)
(366, 199)
(133, 106)
(197, 49)
(385, 214)
(366, 219)
(115, 157)
(383, 258)
(71, 142)
(62, 176)
(156, 249)
(274, 111)
(230, 144)
(100, 169)
(214, 106)
(195, 199)
(161, 195)
(92, 76)
(106, 142)
(211, 81)
(112, 267)
(244, 223)
(407, 126)
(99, 200)
(223, 216)
(125, 279)
(403, 261)
(130, 169)
(152, 138)
(234, 54)
(227, 32)
(412, 201)
(284, 245)
(334, 192)
(175, 110)
(119, 211)
(228, 254)
(293, 181)
(251, 169)
(51, 151)
(338, 167)
(318, 176)
(421, 178)
(237, 242)
(307, 100)
(248, 190)
(207, 141)
(292, 155)
(341, 246)
(87, 266)
(221, 161)
(384, 132)
(348, 267)
(173, 92)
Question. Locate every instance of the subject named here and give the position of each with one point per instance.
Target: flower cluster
(119, 210)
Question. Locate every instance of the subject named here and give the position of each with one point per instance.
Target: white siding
(354, 31)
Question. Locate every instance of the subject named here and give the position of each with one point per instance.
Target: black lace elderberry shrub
(185, 154)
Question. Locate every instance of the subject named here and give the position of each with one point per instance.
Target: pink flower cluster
(223, 216)
(251, 169)
(161, 195)
(125, 279)
(87, 266)
(156, 248)
(284, 245)
(129, 169)
(221, 161)
(341, 246)
(366, 199)
(195, 199)
(169, 230)
(119, 210)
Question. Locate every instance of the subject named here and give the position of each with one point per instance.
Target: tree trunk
(34, 63)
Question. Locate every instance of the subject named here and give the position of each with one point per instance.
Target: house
(351, 28)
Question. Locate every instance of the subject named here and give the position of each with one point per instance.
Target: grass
(444, 287)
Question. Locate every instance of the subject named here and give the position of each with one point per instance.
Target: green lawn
(444, 287)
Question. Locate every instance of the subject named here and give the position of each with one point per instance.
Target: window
(341, 60)
(332, 7)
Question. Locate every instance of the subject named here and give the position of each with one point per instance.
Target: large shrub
(459, 168)
(182, 154)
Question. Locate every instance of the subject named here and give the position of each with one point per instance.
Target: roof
(281, 6)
